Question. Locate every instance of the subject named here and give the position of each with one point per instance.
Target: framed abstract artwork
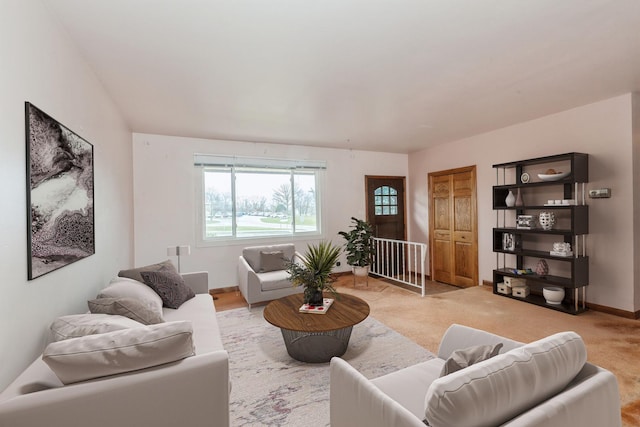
(60, 202)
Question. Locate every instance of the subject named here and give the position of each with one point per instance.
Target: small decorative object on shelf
(520, 291)
(561, 249)
(524, 178)
(503, 288)
(553, 294)
(542, 269)
(519, 201)
(510, 201)
(508, 242)
(546, 220)
(317, 309)
(526, 222)
(521, 271)
(513, 281)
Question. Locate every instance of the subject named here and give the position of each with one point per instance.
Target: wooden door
(385, 206)
(453, 226)
(386, 213)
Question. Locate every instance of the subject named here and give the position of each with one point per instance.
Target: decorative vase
(546, 220)
(519, 201)
(510, 200)
(542, 269)
(313, 297)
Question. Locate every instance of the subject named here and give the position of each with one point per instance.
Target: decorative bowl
(553, 294)
(553, 177)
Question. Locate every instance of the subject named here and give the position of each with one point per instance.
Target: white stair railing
(401, 261)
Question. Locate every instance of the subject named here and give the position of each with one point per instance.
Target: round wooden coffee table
(316, 338)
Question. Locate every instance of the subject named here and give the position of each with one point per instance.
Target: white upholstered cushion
(93, 356)
(122, 287)
(79, 325)
(409, 386)
(494, 391)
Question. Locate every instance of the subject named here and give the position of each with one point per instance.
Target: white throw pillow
(493, 391)
(94, 356)
(122, 287)
(79, 325)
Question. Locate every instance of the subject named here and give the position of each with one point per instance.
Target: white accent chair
(259, 278)
(546, 383)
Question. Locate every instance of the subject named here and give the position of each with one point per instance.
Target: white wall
(165, 200)
(604, 131)
(39, 65)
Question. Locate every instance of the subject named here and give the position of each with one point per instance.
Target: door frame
(404, 196)
(473, 169)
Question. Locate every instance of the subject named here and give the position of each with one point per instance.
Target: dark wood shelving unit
(574, 231)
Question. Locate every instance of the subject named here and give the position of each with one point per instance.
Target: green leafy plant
(313, 270)
(360, 247)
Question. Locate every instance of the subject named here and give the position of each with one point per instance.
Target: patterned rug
(271, 389)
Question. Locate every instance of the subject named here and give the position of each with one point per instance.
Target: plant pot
(313, 297)
(361, 271)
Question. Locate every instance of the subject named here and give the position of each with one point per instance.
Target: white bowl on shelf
(553, 294)
(554, 176)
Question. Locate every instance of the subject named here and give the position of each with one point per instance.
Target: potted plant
(313, 271)
(360, 247)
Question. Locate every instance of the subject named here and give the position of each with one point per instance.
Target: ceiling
(380, 75)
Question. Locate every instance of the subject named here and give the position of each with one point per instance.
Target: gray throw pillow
(460, 359)
(170, 286)
(134, 273)
(129, 307)
(272, 261)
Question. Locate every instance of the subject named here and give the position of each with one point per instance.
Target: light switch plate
(600, 193)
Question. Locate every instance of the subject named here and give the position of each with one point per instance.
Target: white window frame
(204, 162)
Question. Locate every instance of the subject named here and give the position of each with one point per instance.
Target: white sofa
(259, 282)
(190, 392)
(546, 383)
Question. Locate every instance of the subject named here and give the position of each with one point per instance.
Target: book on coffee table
(320, 309)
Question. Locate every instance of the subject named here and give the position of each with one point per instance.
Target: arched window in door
(386, 201)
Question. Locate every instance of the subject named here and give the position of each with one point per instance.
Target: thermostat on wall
(601, 193)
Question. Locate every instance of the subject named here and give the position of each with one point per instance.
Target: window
(386, 201)
(254, 198)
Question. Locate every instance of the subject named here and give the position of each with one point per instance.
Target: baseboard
(615, 311)
(597, 307)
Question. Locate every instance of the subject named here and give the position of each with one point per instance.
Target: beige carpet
(612, 342)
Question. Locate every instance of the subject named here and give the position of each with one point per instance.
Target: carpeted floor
(271, 389)
(612, 342)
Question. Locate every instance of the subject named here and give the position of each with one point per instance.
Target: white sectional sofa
(262, 275)
(193, 391)
(546, 383)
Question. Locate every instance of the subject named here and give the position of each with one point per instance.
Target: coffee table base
(316, 347)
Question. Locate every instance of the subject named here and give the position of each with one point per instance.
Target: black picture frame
(60, 194)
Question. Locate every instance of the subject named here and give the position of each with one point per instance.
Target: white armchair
(262, 274)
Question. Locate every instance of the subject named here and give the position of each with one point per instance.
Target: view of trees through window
(261, 203)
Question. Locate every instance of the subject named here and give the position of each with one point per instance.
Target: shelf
(562, 282)
(540, 301)
(578, 216)
(540, 254)
(579, 165)
(574, 220)
(557, 231)
(532, 207)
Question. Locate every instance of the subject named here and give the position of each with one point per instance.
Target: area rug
(271, 389)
